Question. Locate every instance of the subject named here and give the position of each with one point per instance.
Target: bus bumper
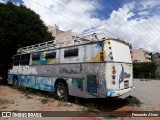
(116, 93)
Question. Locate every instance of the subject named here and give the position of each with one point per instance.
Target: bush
(145, 70)
(133, 101)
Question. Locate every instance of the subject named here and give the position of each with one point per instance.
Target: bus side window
(71, 53)
(16, 60)
(36, 56)
(25, 59)
(50, 55)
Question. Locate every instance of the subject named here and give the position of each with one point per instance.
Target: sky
(135, 21)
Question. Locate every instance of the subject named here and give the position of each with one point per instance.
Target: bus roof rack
(96, 35)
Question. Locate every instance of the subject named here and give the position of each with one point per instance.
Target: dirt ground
(13, 100)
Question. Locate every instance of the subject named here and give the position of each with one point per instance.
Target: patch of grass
(59, 104)
(145, 79)
(110, 116)
(91, 107)
(4, 102)
(44, 100)
(81, 108)
(67, 104)
(28, 91)
(28, 97)
(3, 107)
(133, 101)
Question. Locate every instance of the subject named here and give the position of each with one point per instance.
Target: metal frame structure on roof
(87, 37)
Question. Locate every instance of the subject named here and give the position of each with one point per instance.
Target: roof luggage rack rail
(87, 37)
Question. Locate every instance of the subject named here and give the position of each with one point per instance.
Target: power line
(67, 17)
(68, 9)
(152, 24)
(57, 13)
(91, 4)
(112, 18)
(137, 21)
(120, 18)
(105, 23)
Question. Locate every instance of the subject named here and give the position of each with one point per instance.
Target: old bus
(83, 67)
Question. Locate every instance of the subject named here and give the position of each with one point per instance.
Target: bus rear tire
(61, 92)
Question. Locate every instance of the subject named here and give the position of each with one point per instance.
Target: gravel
(148, 92)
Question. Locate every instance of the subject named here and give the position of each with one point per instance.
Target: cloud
(3, 1)
(149, 4)
(136, 22)
(66, 13)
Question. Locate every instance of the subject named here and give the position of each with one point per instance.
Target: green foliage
(133, 101)
(19, 27)
(144, 70)
(110, 116)
(44, 100)
(4, 101)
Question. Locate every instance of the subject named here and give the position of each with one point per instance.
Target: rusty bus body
(96, 69)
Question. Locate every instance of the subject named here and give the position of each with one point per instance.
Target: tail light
(113, 75)
(113, 70)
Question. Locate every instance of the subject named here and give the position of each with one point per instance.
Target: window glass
(16, 60)
(50, 55)
(71, 53)
(25, 59)
(36, 56)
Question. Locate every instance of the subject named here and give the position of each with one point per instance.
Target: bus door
(92, 83)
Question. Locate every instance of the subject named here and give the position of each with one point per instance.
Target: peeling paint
(78, 82)
(123, 75)
(86, 75)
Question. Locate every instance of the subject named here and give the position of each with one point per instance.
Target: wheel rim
(61, 91)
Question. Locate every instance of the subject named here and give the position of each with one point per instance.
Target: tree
(19, 27)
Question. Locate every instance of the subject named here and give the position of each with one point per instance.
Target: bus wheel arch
(61, 89)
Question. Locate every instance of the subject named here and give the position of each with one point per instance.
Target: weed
(28, 97)
(59, 103)
(90, 107)
(82, 108)
(4, 101)
(29, 91)
(44, 101)
(110, 116)
(76, 101)
(3, 107)
(145, 79)
(67, 104)
(133, 101)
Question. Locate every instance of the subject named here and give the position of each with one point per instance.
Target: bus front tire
(61, 92)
